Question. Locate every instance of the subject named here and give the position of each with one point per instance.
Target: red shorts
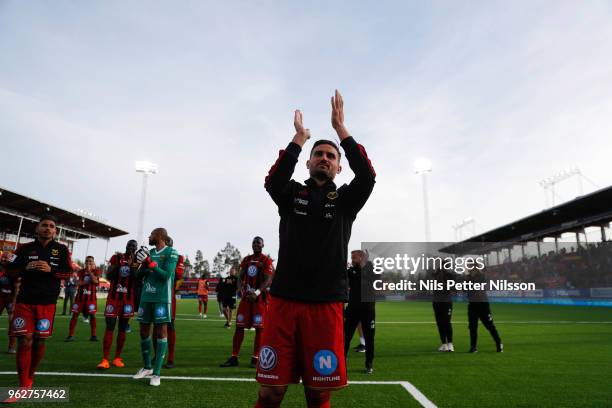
(119, 308)
(251, 314)
(203, 298)
(28, 319)
(90, 307)
(5, 303)
(303, 340)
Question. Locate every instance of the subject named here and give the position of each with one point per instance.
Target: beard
(153, 241)
(320, 174)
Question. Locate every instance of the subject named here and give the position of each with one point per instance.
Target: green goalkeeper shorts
(157, 313)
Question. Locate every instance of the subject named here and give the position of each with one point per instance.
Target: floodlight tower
(550, 182)
(146, 168)
(423, 166)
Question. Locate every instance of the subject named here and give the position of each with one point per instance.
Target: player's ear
(308, 164)
(339, 169)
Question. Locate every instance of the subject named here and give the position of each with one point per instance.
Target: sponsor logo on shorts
(75, 307)
(267, 358)
(150, 288)
(19, 323)
(127, 309)
(269, 376)
(87, 279)
(110, 309)
(372, 324)
(160, 311)
(252, 271)
(240, 317)
(325, 362)
(257, 319)
(91, 306)
(43, 325)
(4, 280)
(140, 311)
(124, 271)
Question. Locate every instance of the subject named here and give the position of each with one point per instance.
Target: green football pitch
(555, 356)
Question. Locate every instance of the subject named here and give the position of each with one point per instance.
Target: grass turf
(554, 356)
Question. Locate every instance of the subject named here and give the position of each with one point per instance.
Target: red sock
(94, 324)
(200, 307)
(38, 352)
(257, 342)
(205, 307)
(171, 343)
(24, 359)
(73, 323)
(237, 341)
(317, 399)
(120, 343)
(107, 343)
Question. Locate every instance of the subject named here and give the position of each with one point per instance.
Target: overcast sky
(498, 95)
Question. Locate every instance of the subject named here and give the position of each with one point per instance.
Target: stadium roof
(593, 209)
(14, 207)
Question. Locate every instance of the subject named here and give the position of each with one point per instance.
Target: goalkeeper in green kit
(157, 268)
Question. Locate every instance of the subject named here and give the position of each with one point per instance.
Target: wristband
(152, 264)
(257, 292)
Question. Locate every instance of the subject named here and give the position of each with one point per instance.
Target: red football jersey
(87, 292)
(122, 278)
(254, 268)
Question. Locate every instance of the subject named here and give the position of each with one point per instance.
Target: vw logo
(267, 358)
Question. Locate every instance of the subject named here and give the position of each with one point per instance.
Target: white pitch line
(412, 390)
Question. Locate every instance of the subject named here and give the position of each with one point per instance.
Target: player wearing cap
(157, 267)
(304, 329)
(253, 283)
(40, 265)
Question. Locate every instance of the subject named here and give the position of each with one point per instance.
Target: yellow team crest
(54, 252)
(332, 195)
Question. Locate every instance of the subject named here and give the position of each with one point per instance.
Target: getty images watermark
(417, 270)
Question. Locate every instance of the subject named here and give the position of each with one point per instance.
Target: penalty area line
(412, 390)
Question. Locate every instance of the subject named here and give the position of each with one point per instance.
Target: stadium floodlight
(146, 168)
(550, 182)
(143, 166)
(458, 227)
(422, 166)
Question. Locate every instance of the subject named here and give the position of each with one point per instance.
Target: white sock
(362, 340)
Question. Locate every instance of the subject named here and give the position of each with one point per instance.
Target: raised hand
(302, 134)
(337, 116)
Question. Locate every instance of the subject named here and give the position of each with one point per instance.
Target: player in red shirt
(119, 302)
(253, 283)
(40, 266)
(203, 296)
(8, 293)
(304, 336)
(86, 301)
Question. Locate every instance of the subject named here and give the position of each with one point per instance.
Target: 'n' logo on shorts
(43, 325)
(160, 311)
(267, 358)
(325, 362)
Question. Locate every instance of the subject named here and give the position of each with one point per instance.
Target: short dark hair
(259, 238)
(89, 257)
(48, 217)
(327, 142)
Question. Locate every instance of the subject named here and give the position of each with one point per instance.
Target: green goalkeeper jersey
(157, 285)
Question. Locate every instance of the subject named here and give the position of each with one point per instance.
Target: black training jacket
(315, 226)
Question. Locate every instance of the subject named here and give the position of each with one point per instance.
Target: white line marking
(416, 394)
